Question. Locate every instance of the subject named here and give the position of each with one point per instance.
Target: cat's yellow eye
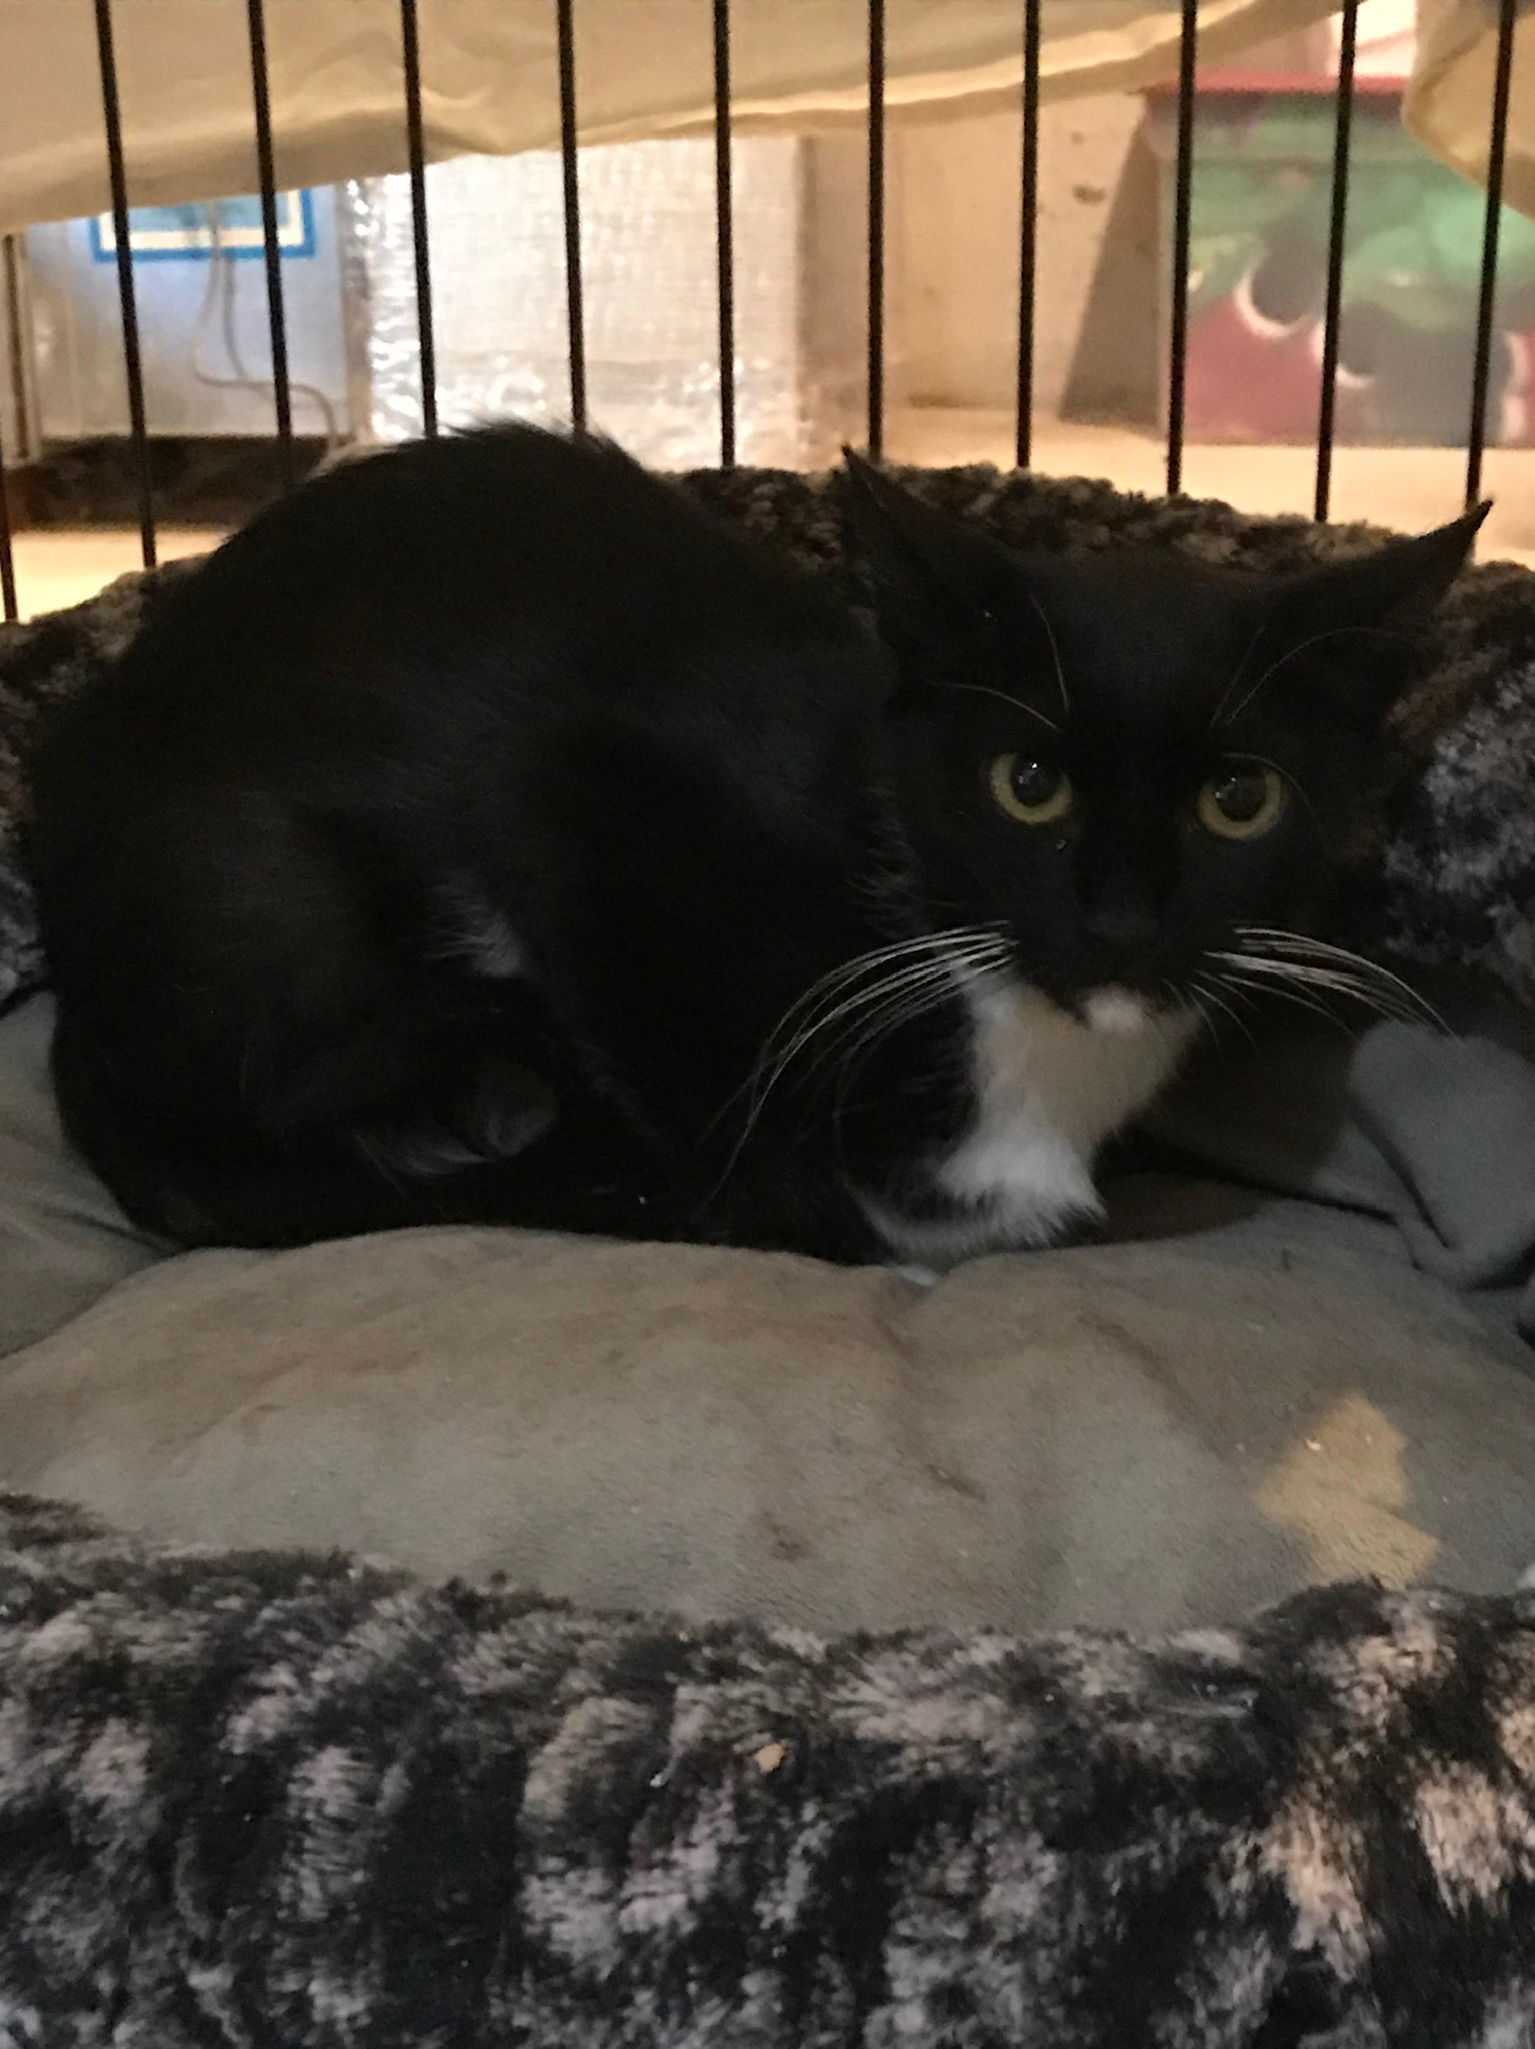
(1242, 803)
(1030, 791)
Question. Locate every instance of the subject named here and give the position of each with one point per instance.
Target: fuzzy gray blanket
(269, 1801)
(281, 1802)
(1453, 889)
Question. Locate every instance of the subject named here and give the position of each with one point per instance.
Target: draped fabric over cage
(167, 102)
(490, 80)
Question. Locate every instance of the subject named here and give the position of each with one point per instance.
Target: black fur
(1158, 673)
(505, 702)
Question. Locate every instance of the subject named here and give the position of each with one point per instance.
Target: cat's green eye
(1030, 791)
(1242, 803)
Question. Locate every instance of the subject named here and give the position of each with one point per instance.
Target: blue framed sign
(199, 230)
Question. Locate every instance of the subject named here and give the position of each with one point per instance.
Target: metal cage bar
(724, 215)
(1183, 191)
(277, 322)
(10, 607)
(1028, 232)
(576, 311)
(1337, 229)
(133, 367)
(410, 50)
(876, 434)
(1032, 16)
(1497, 143)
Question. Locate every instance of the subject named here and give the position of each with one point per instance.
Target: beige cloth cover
(490, 78)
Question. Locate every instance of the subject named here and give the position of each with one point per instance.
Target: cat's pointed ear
(1363, 619)
(930, 573)
(1397, 583)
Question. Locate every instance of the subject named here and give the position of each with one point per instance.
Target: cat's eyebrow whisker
(1055, 655)
(1017, 703)
(1330, 633)
(1240, 671)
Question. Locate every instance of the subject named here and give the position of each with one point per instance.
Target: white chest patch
(1048, 1090)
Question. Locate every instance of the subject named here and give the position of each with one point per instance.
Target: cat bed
(1243, 1394)
(254, 1799)
(265, 1798)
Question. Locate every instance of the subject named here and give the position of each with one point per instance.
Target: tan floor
(1410, 488)
(61, 565)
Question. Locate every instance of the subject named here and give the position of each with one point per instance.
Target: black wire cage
(565, 25)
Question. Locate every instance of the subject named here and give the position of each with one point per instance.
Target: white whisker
(846, 973)
(897, 1013)
(845, 1014)
(1331, 633)
(1055, 652)
(1252, 989)
(836, 1004)
(1335, 981)
(1240, 671)
(839, 991)
(1017, 703)
(1275, 939)
(1205, 992)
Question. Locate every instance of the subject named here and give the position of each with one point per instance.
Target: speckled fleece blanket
(275, 1801)
(1454, 888)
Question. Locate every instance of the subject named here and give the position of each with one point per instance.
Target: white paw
(927, 1277)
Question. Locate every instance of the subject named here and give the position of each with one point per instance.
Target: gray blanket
(1433, 1131)
(1240, 1394)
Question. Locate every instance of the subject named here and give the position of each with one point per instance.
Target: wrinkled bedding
(1243, 1394)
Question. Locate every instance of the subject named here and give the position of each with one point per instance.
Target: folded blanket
(1454, 887)
(264, 1799)
(1433, 1130)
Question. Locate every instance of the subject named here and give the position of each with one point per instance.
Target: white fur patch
(481, 934)
(1116, 1010)
(1049, 1089)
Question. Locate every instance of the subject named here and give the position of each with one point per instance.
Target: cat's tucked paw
(917, 1276)
(508, 1108)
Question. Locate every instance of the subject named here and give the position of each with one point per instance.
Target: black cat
(485, 833)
